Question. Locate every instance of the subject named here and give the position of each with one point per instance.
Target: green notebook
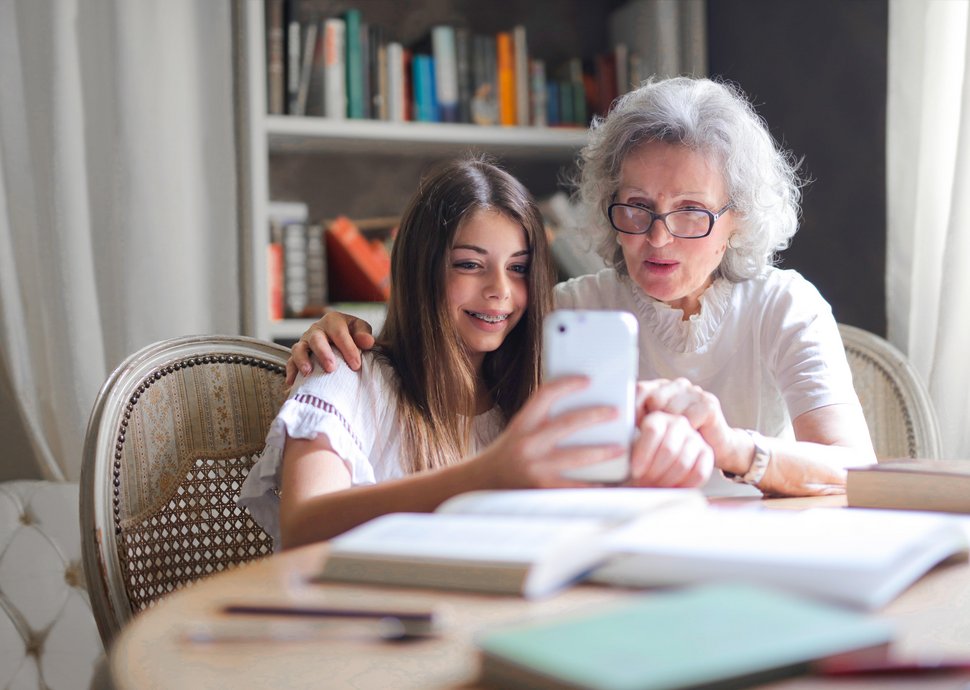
(709, 636)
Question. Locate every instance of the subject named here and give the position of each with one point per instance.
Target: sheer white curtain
(117, 197)
(928, 192)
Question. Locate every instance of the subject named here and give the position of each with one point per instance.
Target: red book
(274, 279)
(359, 270)
(505, 60)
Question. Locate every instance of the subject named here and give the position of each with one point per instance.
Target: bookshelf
(364, 168)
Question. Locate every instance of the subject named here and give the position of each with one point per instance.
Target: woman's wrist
(740, 454)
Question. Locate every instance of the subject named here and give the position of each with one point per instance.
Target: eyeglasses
(689, 223)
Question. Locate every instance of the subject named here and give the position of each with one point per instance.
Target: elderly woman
(690, 200)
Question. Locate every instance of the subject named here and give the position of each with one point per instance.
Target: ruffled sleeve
(350, 408)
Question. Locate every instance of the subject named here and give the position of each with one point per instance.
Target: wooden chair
(172, 436)
(895, 401)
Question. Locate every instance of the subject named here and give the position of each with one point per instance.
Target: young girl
(459, 357)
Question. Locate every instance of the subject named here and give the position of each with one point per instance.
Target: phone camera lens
(562, 329)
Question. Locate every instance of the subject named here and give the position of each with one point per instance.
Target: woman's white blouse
(358, 413)
(769, 348)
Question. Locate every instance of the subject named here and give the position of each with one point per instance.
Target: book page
(612, 504)
(462, 537)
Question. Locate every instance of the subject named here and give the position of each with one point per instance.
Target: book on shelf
(314, 100)
(523, 81)
(293, 54)
(463, 72)
(353, 63)
(714, 636)
(397, 96)
(443, 51)
(275, 60)
(334, 68)
(908, 484)
(537, 92)
(286, 258)
(377, 64)
(505, 76)
(859, 558)
(306, 67)
(358, 269)
(424, 95)
(316, 269)
(484, 105)
(528, 542)
(275, 266)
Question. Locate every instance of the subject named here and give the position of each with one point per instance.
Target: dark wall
(816, 72)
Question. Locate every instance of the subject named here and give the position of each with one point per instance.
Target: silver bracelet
(759, 463)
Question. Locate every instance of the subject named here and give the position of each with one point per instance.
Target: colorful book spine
(294, 269)
(353, 64)
(520, 51)
(306, 67)
(422, 77)
(293, 62)
(537, 92)
(445, 72)
(463, 60)
(396, 83)
(505, 58)
(359, 270)
(334, 69)
(275, 62)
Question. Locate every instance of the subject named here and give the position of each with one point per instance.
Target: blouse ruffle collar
(670, 327)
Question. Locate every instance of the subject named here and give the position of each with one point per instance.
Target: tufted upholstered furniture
(173, 434)
(898, 409)
(48, 637)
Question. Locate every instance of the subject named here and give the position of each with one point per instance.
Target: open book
(863, 558)
(529, 542)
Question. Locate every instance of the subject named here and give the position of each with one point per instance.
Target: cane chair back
(172, 436)
(897, 406)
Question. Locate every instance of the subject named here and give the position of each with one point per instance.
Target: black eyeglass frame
(654, 217)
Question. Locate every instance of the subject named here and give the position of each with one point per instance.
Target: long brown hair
(436, 393)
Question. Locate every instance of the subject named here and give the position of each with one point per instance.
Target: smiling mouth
(488, 318)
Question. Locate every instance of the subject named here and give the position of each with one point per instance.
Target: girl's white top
(357, 411)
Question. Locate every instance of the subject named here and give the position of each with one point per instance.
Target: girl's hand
(348, 334)
(526, 454)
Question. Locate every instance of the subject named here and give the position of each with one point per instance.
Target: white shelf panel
(288, 134)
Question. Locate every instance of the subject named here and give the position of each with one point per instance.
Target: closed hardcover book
(423, 82)
(463, 59)
(527, 542)
(353, 62)
(275, 58)
(294, 46)
(334, 69)
(315, 88)
(523, 80)
(274, 275)
(484, 105)
(306, 66)
(906, 484)
(505, 73)
(294, 269)
(716, 636)
(316, 268)
(358, 270)
(396, 83)
(445, 72)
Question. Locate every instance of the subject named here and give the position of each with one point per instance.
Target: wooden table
(154, 651)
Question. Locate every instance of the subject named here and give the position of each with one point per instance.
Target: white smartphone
(603, 346)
